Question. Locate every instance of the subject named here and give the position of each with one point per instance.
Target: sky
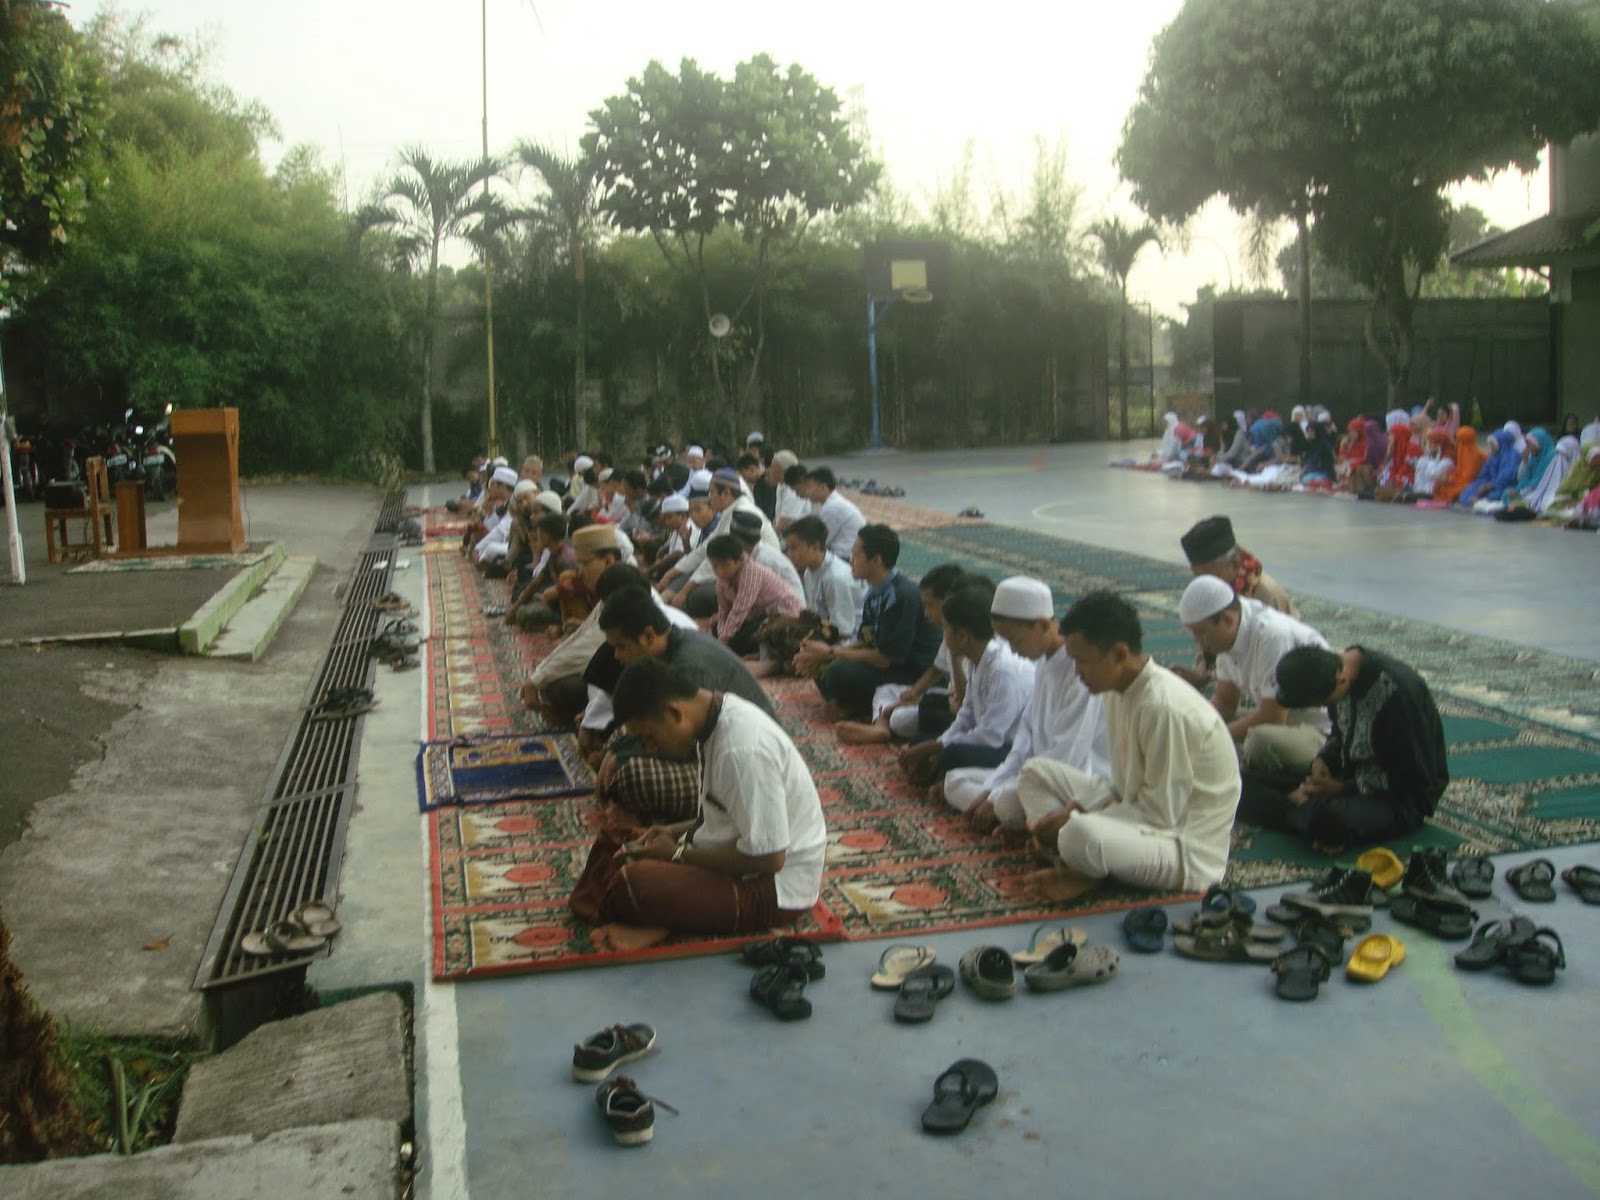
(361, 78)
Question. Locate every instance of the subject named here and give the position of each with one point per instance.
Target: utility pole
(488, 267)
(19, 569)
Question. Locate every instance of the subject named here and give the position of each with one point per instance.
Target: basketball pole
(874, 315)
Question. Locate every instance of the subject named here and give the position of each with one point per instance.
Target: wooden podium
(206, 443)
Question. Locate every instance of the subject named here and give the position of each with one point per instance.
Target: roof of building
(1545, 240)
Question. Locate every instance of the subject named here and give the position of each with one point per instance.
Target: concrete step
(248, 634)
(197, 633)
(359, 1159)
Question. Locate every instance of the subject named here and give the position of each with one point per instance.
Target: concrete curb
(253, 627)
(197, 633)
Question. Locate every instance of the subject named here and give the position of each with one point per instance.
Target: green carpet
(1523, 726)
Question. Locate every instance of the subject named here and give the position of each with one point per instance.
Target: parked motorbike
(26, 478)
(157, 464)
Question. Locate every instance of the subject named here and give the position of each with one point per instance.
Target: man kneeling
(1165, 817)
(753, 857)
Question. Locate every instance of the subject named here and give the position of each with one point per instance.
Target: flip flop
(289, 938)
(1443, 921)
(1301, 972)
(1473, 877)
(1326, 935)
(966, 1085)
(921, 992)
(316, 918)
(1385, 866)
(1067, 967)
(1373, 956)
(1534, 962)
(1493, 940)
(1145, 930)
(781, 991)
(1045, 939)
(1533, 881)
(899, 961)
(1585, 881)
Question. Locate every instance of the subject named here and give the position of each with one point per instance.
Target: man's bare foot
(1014, 839)
(1057, 885)
(859, 733)
(617, 937)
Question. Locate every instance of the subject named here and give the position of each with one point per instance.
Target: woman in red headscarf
(1398, 470)
(1352, 448)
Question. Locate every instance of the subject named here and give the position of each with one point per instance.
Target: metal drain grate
(294, 851)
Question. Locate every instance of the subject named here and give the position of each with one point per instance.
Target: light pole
(488, 279)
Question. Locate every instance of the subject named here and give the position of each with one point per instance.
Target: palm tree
(425, 202)
(1119, 247)
(568, 210)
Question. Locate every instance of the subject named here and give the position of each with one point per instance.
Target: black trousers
(1339, 820)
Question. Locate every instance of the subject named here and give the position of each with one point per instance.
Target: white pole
(19, 570)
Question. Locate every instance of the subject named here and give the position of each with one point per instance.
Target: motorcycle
(157, 463)
(26, 478)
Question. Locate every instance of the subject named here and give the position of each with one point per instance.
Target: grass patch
(126, 1089)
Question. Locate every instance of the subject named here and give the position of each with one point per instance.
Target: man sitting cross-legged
(896, 642)
(747, 594)
(1164, 818)
(556, 687)
(832, 601)
(637, 624)
(1247, 639)
(999, 685)
(1383, 768)
(751, 858)
(1062, 721)
(535, 606)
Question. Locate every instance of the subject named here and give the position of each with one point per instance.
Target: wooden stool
(98, 511)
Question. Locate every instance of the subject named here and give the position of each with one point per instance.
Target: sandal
(1219, 899)
(1473, 877)
(1373, 956)
(786, 951)
(1442, 920)
(966, 1085)
(1534, 962)
(1045, 939)
(1263, 931)
(344, 703)
(900, 961)
(1226, 943)
(1493, 940)
(781, 991)
(392, 602)
(1326, 935)
(316, 918)
(1301, 972)
(1533, 881)
(1385, 867)
(921, 991)
(1067, 966)
(1585, 881)
(1145, 930)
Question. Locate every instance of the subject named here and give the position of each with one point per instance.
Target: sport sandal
(781, 990)
(1537, 960)
(966, 1085)
(1493, 940)
(1534, 881)
(785, 951)
(1585, 881)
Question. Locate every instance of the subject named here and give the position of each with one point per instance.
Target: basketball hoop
(917, 295)
(719, 326)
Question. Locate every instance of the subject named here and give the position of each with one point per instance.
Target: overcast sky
(359, 78)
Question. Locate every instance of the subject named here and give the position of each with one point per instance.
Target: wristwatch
(677, 851)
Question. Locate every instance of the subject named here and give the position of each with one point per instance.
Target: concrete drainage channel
(293, 853)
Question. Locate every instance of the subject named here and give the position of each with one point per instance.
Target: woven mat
(488, 769)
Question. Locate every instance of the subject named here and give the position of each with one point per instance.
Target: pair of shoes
(1444, 921)
(344, 703)
(973, 512)
(306, 929)
(392, 602)
(629, 1113)
(785, 965)
(1342, 891)
(1532, 953)
(785, 950)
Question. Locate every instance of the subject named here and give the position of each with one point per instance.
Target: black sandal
(1533, 962)
(921, 991)
(966, 1085)
(1585, 881)
(781, 990)
(1301, 971)
(785, 951)
(1533, 881)
(1443, 921)
(1493, 941)
(1474, 877)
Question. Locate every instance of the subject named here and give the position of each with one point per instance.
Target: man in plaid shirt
(747, 594)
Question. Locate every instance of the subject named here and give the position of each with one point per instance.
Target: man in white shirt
(1165, 816)
(1248, 640)
(751, 860)
(831, 591)
(1062, 720)
(843, 519)
(497, 509)
(999, 685)
(789, 506)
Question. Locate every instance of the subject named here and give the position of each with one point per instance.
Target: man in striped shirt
(747, 594)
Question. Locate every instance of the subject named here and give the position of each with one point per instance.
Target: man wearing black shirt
(1382, 770)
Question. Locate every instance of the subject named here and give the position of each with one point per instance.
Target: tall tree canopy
(681, 156)
(1359, 115)
(52, 109)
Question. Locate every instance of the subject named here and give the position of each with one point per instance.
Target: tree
(426, 202)
(567, 209)
(764, 153)
(1353, 118)
(1119, 248)
(52, 108)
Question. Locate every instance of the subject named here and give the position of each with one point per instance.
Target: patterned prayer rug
(501, 877)
(489, 769)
